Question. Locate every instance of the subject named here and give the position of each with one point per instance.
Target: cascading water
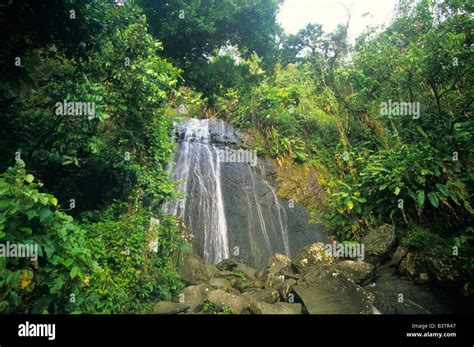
(198, 170)
(232, 206)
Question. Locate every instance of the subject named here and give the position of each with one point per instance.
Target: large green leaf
(76, 272)
(44, 213)
(420, 198)
(58, 284)
(442, 188)
(433, 199)
(29, 178)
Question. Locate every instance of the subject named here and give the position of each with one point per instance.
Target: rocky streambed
(310, 283)
(306, 285)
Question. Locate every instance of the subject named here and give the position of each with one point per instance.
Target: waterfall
(281, 220)
(232, 207)
(198, 171)
(261, 220)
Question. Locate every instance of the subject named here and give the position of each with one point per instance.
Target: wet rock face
(278, 308)
(427, 269)
(268, 296)
(259, 223)
(399, 255)
(358, 271)
(219, 283)
(311, 255)
(218, 132)
(195, 270)
(231, 206)
(223, 133)
(165, 307)
(285, 288)
(237, 304)
(444, 272)
(194, 296)
(408, 266)
(326, 291)
(234, 265)
(378, 243)
(394, 295)
(278, 263)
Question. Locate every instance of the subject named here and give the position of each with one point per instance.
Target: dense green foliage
(91, 189)
(193, 31)
(30, 217)
(132, 275)
(106, 167)
(127, 129)
(325, 109)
